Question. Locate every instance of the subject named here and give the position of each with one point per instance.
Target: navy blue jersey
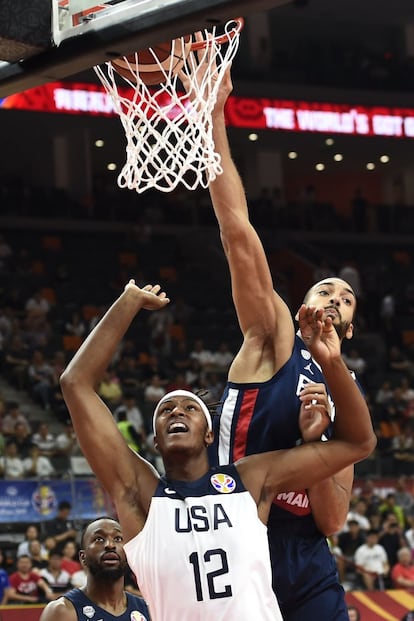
(264, 416)
(87, 610)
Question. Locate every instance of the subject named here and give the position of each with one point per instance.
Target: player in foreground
(196, 539)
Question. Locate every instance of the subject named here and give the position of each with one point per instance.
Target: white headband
(183, 393)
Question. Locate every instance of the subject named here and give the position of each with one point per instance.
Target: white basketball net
(169, 132)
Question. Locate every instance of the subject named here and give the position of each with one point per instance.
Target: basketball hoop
(169, 131)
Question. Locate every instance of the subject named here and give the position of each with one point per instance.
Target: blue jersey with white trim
(87, 610)
(264, 416)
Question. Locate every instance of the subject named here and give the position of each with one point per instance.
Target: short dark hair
(86, 526)
(372, 531)
(64, 504)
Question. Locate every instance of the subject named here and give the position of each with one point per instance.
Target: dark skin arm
(128, 478)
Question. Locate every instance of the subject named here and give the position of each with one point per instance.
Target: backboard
(85, 33)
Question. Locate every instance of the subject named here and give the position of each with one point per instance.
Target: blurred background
(330, 194)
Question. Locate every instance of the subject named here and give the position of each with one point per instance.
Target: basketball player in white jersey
(196, 538)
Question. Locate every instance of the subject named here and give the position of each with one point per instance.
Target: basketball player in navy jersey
(261, 400)
(196, 539)
(103, 558)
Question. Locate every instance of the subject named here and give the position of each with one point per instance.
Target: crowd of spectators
(375, 549)
(38, 335)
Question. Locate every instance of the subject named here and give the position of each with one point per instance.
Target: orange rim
(200, 45)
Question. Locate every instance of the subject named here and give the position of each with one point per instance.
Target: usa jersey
(203, 553)
(87, 610)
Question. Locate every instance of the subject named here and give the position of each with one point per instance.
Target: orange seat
(168, 273)
(51, 242)
(38, 267)
(177, 332)
(49, 294)
(89, 311)
(402, 257)
(143, 358)
(127, 259)
(408, 337)
(71, 342)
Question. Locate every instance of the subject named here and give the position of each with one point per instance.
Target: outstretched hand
(151, 295)
(319, 334)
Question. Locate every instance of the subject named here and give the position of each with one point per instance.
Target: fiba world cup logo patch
(88, 611)
(137, 616)
(44, 500)
(223, 483)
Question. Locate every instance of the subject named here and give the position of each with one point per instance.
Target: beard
(112, 573)
(341, 329)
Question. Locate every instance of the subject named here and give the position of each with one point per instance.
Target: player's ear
(349, 331)
(209, 438)
(82, 557)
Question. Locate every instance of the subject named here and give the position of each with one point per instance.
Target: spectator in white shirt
(357, 512)
(58, 579)
(38, 465)
(355, 362)
(78, 579)
(202, 355)
(11, 464)
(66, 441)
(222, 358)
(44, 440)
(155, 390)
(13, 416)
(371, 562)
(31, 534)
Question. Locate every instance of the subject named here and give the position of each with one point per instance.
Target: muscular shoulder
(60, 609)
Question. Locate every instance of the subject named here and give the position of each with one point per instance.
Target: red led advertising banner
(247, 112)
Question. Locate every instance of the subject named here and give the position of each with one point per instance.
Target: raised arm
(129, 479)
(264, 318)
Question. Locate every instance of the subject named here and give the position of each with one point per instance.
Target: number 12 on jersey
(208, 556)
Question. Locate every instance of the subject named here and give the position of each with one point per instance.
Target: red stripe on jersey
(243, 423)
